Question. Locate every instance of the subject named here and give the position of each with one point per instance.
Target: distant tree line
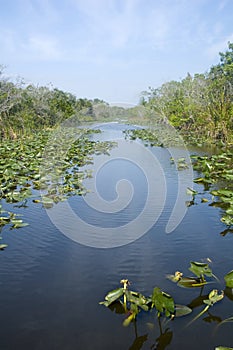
(26, 108)
(202, 103)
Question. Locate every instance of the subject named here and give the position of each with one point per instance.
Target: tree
(10, 95)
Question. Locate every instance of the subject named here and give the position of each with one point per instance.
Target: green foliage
(112, 296)
(11, 219)
(200, 269)
(190, 282)
(200, 106)
(163, 302)
(24, 109)
(132, 301)
(229, 279)
(129, 303)
(21, 169)
(213, 298)
(30, 164)
(160, 136)
(216, 170)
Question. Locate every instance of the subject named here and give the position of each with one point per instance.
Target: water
(51, 286)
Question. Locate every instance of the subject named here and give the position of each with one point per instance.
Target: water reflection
(51, 286)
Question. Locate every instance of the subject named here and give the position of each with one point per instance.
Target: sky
(111, 49)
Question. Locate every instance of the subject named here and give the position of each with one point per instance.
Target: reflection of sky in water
(51, 286)
(107, 179)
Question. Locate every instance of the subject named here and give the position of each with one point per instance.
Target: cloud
(43, 48)
(122, 28)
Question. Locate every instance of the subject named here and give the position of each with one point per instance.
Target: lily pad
(112, 296)
(200, 269)
(182, 310)
(229, 279)
(190, 282)
(163, 302)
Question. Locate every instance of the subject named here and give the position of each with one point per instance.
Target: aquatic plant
(132, 301)
(129, 303)
(229, 279)
(213, 298)
(199, 269)
(22, 177)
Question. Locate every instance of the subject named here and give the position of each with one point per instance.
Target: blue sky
(111, 49)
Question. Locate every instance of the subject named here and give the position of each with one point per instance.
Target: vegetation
(33, 164)
(25, 109)
(200, 106)
(130, 303)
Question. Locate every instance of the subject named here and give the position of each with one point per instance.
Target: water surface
(51, 286)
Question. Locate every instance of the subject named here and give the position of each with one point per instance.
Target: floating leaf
(182, 310)
(20, 225)
(200, 269)
(36, 201)
(204, 200)
(229, 279)
(202, 180)
(189, 282)
(112, 296)
(191, 192)
(223, 192)
(227, 220)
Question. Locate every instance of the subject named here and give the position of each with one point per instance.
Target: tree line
(26, 108)
(202, 103)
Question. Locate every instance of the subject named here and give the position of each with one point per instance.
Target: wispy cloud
(114, 42)
(43, 48)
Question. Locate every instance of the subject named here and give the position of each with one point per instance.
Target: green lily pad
(112, 296)
(163, 302)
(200, 269)
(189, 282)
(229, 279)
(182, 310)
